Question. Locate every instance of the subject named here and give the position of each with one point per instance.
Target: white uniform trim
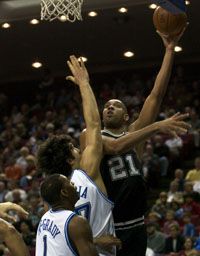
(66, 231)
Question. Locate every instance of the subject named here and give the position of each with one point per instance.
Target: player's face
(77, 156)
(114, 114)
(70, 189)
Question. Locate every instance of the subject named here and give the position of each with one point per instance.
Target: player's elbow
(113, 149)
(156, 93)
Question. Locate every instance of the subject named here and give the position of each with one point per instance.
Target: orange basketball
(169, 23)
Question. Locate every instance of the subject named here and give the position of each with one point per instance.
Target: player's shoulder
(77, 224)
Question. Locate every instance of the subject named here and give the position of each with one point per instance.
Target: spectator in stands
(162, 151)
(153, 217)
(174, 243)
(26, 230)
(190, 205)
(30, 172)
(188, 228)
(151, 167)
(34, 209)
(169, 220)
(3, 191)
(19, 194)
(179, 178)
(174, 145)
(194, 174)
(173, 193)
(195, 127)
(189, 249)
(21, 161)
(13, 171)
(155, 238)
(188, 187)
(161, 205)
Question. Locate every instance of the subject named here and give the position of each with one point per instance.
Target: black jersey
(125, 185)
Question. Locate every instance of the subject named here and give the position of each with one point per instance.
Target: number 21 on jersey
(121, 168)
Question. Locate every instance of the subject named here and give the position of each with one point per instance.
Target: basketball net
(57, 9)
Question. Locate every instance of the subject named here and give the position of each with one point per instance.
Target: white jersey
(52, 234)
(95, 206)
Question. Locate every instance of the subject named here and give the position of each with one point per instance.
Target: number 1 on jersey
(45, 245)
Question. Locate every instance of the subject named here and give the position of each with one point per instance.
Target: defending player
(58, 155)
(61, 231)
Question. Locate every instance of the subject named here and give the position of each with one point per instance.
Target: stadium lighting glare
(123, 10)
(178, 49)
(153, 6)
(92, 14)
(36, 64)
(128, 54)
(5, 25)
(63, 18)
(34, 21)
(83, 58)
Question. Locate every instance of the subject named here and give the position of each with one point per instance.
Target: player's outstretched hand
(8, 206)
(107, 242)
(171, 41)
(79, 71)
(174, 125)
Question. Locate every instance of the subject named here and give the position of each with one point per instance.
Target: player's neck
(116, 131)
(60, 207)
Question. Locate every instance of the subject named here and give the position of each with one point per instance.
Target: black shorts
(134, 241)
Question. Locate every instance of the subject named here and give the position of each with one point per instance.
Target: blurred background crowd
(171, 166)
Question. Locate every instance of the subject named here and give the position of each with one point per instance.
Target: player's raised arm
(91, 156)
(12, 239)
(81, 235)
(173, 125)
(152, 104)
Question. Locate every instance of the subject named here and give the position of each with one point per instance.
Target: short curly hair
(53, 154)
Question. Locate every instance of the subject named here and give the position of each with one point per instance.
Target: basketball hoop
(56, 9)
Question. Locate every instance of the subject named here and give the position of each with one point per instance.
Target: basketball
(168, 23)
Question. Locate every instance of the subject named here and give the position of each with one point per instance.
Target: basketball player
(61, 231)
(120, 166)
(58, 155)
(8, 233)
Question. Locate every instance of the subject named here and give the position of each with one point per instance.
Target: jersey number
(118, 170)
(45, 245)
(84, 210)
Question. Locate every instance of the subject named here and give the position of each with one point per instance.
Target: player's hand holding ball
(169, 26)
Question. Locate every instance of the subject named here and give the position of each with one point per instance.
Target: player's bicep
(81, 235)
(90, 161)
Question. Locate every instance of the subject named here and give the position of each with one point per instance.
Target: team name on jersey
(48, 225)
(82, 191)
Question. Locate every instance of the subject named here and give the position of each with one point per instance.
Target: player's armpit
(82, 140)
(81, 235)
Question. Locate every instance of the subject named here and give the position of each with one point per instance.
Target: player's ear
(126, 117)
(64, 193)
(70, 161)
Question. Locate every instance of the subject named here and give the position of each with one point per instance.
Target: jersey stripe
(66, 232)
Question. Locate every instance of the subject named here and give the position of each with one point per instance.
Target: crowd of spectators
(55, 109)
